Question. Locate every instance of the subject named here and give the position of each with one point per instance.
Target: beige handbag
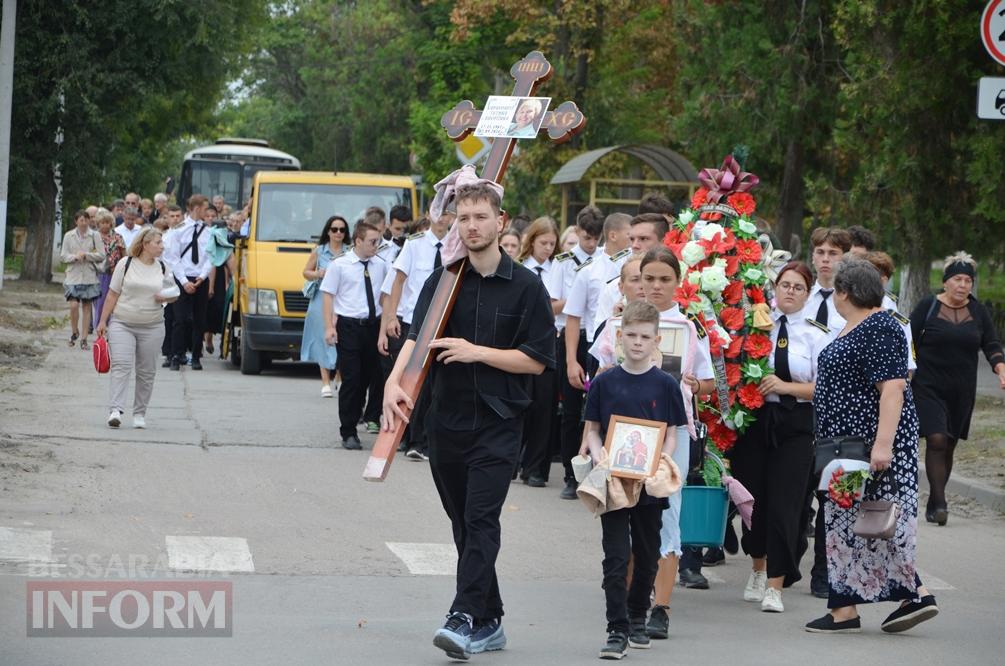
(877, 519)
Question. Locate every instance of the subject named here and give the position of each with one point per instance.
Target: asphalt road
(254, 461)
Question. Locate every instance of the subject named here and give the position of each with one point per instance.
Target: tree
(115, 80)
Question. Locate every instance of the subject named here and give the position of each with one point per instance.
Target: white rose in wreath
(686, 217)
(692, 253)
(710, 230)
(713, 279)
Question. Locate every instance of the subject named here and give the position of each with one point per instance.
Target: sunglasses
(337, 230)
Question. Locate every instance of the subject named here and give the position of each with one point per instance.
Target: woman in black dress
(949, 329)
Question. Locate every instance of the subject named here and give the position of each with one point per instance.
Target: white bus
(228, 167)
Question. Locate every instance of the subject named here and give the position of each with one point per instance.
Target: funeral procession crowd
(677, 329)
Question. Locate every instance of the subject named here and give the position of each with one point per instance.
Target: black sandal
(84, 345)
(73, 339)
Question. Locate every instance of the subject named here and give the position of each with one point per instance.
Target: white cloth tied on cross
(453, 249)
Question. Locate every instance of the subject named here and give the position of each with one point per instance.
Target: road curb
(987, 495)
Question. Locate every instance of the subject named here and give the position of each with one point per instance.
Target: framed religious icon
(633, 446)
(671, 355)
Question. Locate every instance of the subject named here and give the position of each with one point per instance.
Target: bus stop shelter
(671, 173)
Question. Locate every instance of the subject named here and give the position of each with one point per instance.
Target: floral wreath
(726, 265)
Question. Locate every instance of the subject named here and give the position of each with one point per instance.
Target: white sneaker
(114, 418)
(772, 602)
(326, 391)
(139, 422)
(755, 586)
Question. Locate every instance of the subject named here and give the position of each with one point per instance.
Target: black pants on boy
(168, 342)
(572, 407)
(629, 532)
(472, 472)
(537, 429)
(189, 321)
(360, 367)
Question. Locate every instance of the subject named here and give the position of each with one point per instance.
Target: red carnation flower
(757, 345)
(749, 251)
(732, 318)
(722, 436)
(734, 348)
(734, 292)
(749, 396)
(742, 203)
(755, 294)
(732, 374)
(699, 197)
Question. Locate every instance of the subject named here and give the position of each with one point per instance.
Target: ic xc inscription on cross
(561, 125)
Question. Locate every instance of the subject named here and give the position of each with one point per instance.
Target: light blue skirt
(313, 348)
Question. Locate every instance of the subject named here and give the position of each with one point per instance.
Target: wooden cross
(561, 125)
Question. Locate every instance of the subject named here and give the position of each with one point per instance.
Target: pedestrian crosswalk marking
(427, 559)
(207, 553)
(18, 544)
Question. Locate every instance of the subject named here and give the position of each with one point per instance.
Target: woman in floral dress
(862, 391)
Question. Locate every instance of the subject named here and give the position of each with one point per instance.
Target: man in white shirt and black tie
(186, 253)
(829, 246)
(350, 290)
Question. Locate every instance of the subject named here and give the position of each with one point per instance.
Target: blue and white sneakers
(488, 637)
(454, 637)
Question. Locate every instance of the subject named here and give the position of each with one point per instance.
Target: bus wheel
(251, 360)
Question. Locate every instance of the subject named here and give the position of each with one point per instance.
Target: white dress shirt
(178, 250)
(806, 341)
(546, 272)
(587, 286)
(891, 306)
(835, 322)
(610, 296)
(415, 262)
(563, 277)
(344, 280)
(128, 235)
(388, 251)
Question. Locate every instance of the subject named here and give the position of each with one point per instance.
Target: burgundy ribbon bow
(727, 180)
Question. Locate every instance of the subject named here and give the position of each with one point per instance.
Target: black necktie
(437, 260)
(782, 361)
(195, 243)
(822, 310)
(371, 305)
(540, 271)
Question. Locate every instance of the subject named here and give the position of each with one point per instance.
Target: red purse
(102, 360)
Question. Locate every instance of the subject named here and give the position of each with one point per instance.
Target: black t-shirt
(654, 395)
(509, 309)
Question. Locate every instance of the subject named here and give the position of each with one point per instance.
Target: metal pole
(6, 93)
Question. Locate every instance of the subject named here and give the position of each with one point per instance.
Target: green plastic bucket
(703, 515)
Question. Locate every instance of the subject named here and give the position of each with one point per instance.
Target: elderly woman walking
(862, 391)
(115, 249)
(949, 330)
(134, 321)
(82, 252)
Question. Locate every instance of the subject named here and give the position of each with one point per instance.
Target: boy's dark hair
(659, 223)
(173, 208)
(359, 231)
(590, 221)
(836, 236)
(660, 254)
(400, 213)
(478, 192)
(862, 237)
(213, 208)
(654, 202)
(519, 223)
(640, 312)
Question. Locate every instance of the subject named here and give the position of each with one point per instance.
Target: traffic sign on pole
(993, 30)
(991, 98)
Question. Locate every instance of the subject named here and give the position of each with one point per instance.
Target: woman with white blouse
(772, 459)
(133, 317)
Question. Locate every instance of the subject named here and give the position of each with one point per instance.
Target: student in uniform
(539, 243)
(420, 256)
(349, 290)
(829, 246)
(499, 334)
(189, 259)
(590, 225)
(774, 456)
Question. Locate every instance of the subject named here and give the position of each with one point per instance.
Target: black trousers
(572, 407)
(472, 472)
(359, 362)
(630, 532)
(168, 342)
(189, 321)
(772, 460)
(537, 428)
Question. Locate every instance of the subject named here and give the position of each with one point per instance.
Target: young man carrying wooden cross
(499, 333)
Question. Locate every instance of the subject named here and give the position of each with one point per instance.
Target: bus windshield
(294, 212)
(217, 178)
